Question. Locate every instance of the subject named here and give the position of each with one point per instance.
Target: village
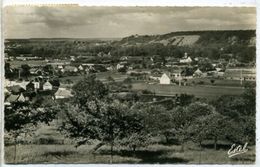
(55, 78)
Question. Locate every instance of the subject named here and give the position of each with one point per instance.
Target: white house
(36, 85)
(118, 66)
(75, 69)
(60, 67)
(110, 68)
(186, 60)
(47, 86)
(165, 79)
(80, 68)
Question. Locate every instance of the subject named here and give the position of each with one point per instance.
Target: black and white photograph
(129, 85)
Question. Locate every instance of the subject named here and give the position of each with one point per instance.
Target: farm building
(165, 79)
(240, 74)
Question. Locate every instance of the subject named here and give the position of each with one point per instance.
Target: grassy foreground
(154, 154)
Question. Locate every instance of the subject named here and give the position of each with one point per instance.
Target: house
(186, 60)
(47, 86)
(221, 73)
(130, 67)
(72, 58)
(240, 74)
(36, 71)
(118, 66)
(60, 67)
(123, 58)
(63, 93)
(110, 68)
(165, 79)
(33, 85)
(87, 70)
(36, 85)
(198, 73)
(15, 98)
(70, 69)
(81, 68)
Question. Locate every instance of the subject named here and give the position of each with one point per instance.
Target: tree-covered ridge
(205, 37)
(239, 44)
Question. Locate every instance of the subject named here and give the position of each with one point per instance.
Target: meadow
(59, 149)
(153, 154)
(31, 63)
(202, 91)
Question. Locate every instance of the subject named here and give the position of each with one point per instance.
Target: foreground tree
(185, 119)
(23, 118)
(94, 116)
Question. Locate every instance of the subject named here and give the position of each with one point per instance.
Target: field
(205, 91)
(218, 82)
(102, 76)
(31, 63)
(156, 153)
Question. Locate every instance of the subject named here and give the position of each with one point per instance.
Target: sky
(117, 22)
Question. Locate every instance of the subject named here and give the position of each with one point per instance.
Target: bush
(201, 82)
(147, 91)
(48, 140)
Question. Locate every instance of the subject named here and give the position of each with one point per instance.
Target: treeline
(242, 53)
(211, 44)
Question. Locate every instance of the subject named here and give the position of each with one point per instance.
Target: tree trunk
(134, 151)
(15, 141)
(200, 151)
(111, 151)
(167, 139)
(215, 143)
(182, 146)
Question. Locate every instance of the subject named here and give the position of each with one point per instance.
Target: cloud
(74, 21)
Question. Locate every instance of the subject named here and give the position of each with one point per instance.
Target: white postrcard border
(228, 3)
(137, 2)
